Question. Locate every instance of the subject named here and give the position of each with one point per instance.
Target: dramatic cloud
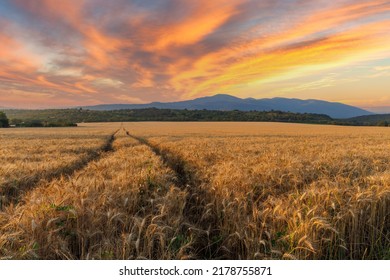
(67, 53)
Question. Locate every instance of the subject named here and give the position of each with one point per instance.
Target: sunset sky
(67, 53)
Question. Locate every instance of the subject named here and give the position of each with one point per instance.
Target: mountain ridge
(225, 102)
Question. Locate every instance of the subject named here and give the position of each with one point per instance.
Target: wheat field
(195, 191)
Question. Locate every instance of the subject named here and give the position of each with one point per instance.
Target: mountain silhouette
(226, 102)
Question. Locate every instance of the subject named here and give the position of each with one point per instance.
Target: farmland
(195, 191)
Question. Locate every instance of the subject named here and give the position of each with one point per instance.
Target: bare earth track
(207, 243)
(14, 189)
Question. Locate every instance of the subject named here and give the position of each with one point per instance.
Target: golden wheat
(124, 205)
(30, 155)
(201, 190)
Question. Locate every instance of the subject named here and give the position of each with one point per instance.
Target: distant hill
(379, 119)
(224, 102)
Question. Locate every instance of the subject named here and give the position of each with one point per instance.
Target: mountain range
(226, 102)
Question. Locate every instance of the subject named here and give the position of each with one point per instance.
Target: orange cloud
(288, 50)
(203, 20)
(171, 49)
(14, 56)
(334, 51)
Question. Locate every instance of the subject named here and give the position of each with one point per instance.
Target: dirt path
(11, 192)
(199, 210)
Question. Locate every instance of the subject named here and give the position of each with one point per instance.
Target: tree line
(70, 117)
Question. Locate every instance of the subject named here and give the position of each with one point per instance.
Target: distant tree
(16, 122)
(32, 123)
(3, 120)
(382, 123)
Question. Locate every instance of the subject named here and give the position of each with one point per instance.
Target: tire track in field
(11, 192)
(197, 210)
